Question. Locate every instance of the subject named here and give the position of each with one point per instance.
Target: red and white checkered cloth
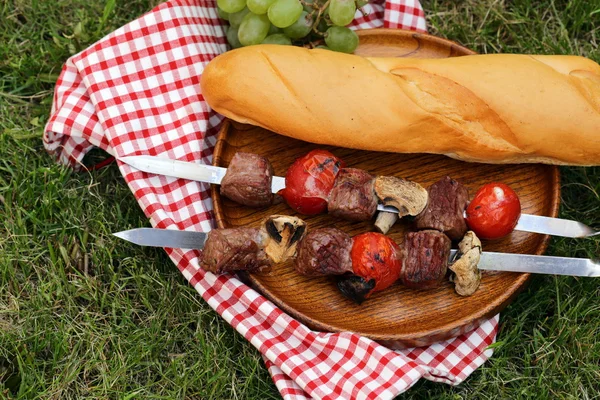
(137, 92)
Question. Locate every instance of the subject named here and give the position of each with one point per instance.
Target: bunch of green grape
(308, 23)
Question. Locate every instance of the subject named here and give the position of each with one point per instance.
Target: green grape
(231, 6)
(232, 37)
(361, 3)
(322, 47)
(222, 14)
(301, 27)
(273, 29)
(235, 19)
(342, 12)
(254, 29)
(308, 5)
(259, 6)
(277, 38)
(339, 38)
(284, 13)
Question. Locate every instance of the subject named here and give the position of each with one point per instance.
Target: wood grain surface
(397, 317)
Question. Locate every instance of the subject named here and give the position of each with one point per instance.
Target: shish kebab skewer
(366, 263)
(421, 263)
(402, 196)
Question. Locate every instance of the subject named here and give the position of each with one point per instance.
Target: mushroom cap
(283, 233)
(408, 197)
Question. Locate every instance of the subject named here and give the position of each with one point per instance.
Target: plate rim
(421, 338)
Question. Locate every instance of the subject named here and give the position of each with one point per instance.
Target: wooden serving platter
(397, 317)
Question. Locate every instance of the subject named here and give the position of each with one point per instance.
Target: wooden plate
(397, 317)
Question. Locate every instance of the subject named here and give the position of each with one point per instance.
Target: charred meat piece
(426, 260)
(356, 287)
(236, 249)
(248, 180)
(353, 195)
(447, 202)
(324, 251)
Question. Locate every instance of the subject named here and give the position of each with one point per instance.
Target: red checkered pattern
(137, 92)
(406, 14)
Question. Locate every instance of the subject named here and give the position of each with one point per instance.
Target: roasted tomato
(376, 265)
(309, 180)
(494, 211)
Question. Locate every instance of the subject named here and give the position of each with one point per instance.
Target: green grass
(82, 315)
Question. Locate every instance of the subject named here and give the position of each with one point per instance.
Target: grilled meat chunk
(353, 195)
(426, 259)
(236, 249)
(324, 251)
(248, 180)
(447, 202)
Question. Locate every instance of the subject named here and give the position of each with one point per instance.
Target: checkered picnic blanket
(137, 91)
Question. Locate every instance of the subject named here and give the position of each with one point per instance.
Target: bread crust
(502, 108)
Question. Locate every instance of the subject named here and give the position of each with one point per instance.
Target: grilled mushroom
(408, 197)
(466, 276)
(284, 233)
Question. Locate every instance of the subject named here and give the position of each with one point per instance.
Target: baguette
(501, 108)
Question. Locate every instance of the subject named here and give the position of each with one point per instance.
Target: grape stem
(315, 30)
(318, 19)
(304, 3)
(321, 9)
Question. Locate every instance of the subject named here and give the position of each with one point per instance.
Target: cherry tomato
(494, 211)
(376, 256)
(309, 180)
